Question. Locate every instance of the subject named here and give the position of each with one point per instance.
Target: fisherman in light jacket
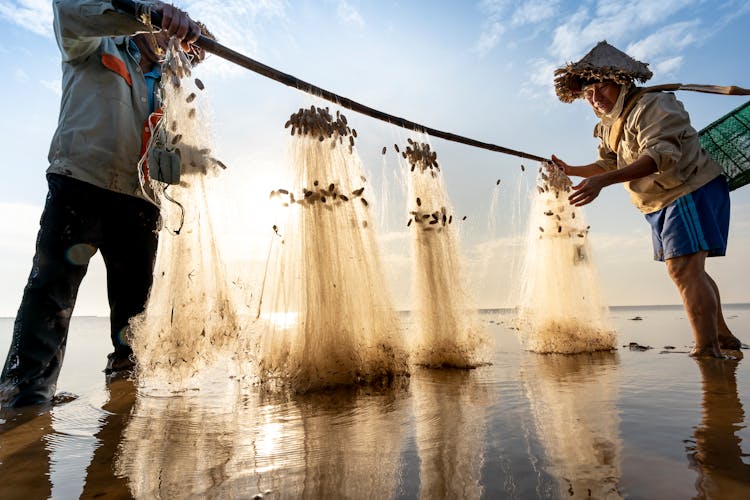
(111, 70)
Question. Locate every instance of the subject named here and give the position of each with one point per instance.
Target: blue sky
(477, 68)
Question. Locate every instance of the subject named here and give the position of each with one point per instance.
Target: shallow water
(635, 424)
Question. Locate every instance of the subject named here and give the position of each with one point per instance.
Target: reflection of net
(447, 334)
(450, 414)
(561, 308)
(572, 401)
(727, 140)
(327, 317)
(223, 444)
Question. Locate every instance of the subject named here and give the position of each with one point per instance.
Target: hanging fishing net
(561, 308)
(447, 332)
(326, 317)
(189, 321)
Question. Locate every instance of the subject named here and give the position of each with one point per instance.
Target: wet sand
(630, 423)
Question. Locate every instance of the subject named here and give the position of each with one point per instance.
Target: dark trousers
(78, 220)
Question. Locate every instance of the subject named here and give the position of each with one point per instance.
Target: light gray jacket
(104, 104)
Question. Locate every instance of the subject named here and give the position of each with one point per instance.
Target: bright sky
(482, 69)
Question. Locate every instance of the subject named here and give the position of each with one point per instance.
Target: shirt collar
(155, 71)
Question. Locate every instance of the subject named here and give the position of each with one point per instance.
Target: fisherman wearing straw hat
(648, 144)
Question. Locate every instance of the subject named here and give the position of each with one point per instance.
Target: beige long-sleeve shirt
(659, 127)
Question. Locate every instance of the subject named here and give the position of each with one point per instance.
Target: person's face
(602, 95)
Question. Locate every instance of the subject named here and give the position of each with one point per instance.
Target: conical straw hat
(603, 62)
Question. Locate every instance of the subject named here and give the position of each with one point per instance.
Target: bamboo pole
(708, 89)
(232, 56)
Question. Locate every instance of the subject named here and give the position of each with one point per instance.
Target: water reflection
(573, 402)
(235, 444)
(450, 408)
(101, 480)
(24, 453)
(716, 453)
(64, 449)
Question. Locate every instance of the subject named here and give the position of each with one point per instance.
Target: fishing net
(447, 332)
(326, 317)
(561, 308)
(727, 140)
(189, 320)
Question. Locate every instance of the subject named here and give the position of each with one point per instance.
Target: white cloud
(236, 24)
(671, 38)
(20, 75)
(32, 15)
(492, 27)
(540, 79)
(348, 14)
(566, 41)
(613, 20)
(640, 27)
(499, 14)
(732, 10)
(668, 66)
(535, 11)
(489, 37)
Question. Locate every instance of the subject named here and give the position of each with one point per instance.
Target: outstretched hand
(586, 191)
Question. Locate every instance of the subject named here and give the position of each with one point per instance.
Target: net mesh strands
(326, 315)
(190, 320)
(727, 140)
(447, 332)
(561, 308)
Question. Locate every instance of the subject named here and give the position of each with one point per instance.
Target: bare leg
(700, 300)
(726, 339)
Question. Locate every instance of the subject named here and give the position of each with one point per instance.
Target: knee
(678, 271)
(687, 269)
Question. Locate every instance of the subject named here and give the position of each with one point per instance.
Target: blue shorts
(696, 222)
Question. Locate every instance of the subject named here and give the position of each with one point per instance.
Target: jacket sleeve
(80, 24)
(606, 158)
(661, 122)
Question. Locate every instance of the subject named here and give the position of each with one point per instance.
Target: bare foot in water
(706, 352)
(730, 342)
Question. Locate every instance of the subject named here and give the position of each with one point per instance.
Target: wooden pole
(230, 55)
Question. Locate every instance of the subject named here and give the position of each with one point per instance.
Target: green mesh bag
(727, 140)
